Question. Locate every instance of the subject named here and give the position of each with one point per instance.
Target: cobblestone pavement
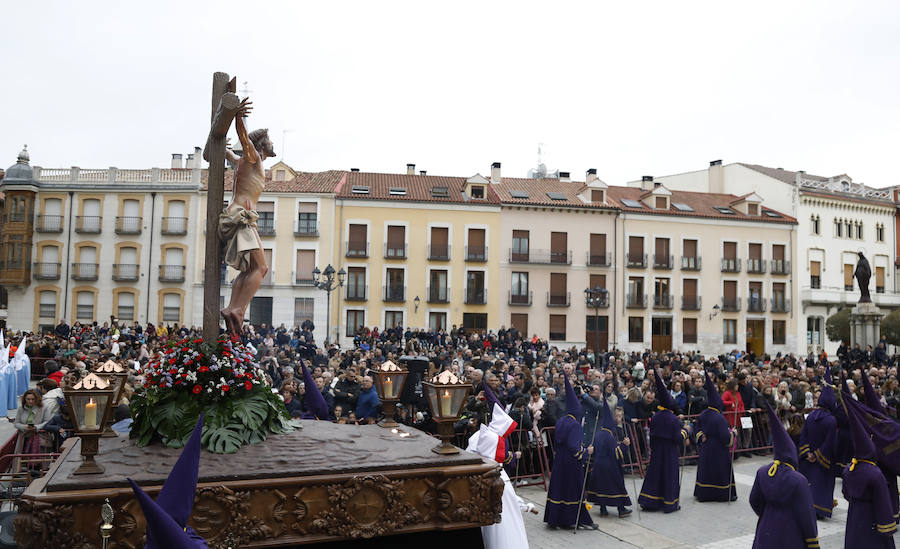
(696, 525)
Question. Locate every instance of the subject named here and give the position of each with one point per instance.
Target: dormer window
(598, 195)
(477, 192)
(661, 203)
(752, 209)
(279, 175)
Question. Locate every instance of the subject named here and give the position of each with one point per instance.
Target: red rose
(203, 369)
(226, 388)
(248, 385)
(172, 360)
(177, 382)
(162, 383)
(197, 389)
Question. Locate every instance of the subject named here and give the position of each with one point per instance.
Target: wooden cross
(225, 104)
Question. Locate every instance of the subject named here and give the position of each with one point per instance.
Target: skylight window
(556, 196)
(682, 207)
(360, 189)
(770, 213)
(518, 194)
(398, 191)
(724, 210)
(440, 192)
(632, 203)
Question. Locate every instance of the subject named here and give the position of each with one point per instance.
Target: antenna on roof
(245, 91)
(540, 171)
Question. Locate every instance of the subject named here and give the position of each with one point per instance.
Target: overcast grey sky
(629, 88)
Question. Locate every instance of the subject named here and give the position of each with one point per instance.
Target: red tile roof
(702, 203)
(418, 188)
(537, 190)
(303, 182)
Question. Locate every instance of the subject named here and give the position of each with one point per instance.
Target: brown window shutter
(439, 236)
(597, 281)
(730, 289)
(730, 250)
(815, 268)
(778, 288)
(756, 287)
(689, 287)
(778, 252)
(558, 242)
(690, 248)
(557, 283)
(755, 251)
(598, 244)
(596, 195)
(635, 246)
(848, 274)
(660, 203)
(396, 236)
(306, 207)
(306, 262)
(558, 324)
(879, 277)
(262, 207)
(662, 248)
(520, 322)
(476, 238)
(358, 235)
(690, 329)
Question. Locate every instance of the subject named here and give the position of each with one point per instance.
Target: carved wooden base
(417, 493)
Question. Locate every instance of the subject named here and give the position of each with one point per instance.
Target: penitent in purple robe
(870, 518)
(567, 481)
(661, 487)
(715, 477)
(606, 485)
(782, 500)
(818, 439)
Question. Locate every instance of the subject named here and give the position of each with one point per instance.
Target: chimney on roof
(198, 156)
(423, 172)
(564, 176)
(646, 182)
(189, 163)
(410, 169)
(716, 177)
(495, 172)
(590, 175)
(176, 161)
(354, 170)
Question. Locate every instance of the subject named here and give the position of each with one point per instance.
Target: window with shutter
(689, 330)
(357, 243)
(476, 250)
(306, 263)
(557, 327)
(396, 241)
(636, 251)
(848, 277)
(439, 248)
(559, 252)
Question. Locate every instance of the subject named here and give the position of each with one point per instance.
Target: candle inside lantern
(445, 404)
(388, 388)
(90, 415)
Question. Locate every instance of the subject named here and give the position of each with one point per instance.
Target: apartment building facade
(557, 238)
(418, 251)
(88, 244)
(837, 218)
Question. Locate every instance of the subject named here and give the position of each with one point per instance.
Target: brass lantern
(90, 403)
(116, 375)
(446, 393)
(389, 379)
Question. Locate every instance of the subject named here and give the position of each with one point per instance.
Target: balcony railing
(395, 251)
(636, 301)
(394, 294)
(879, 289)
(781, 305)
(780, 267)
(174, 273)
(756, 304)
(125, 272)
(128, 225)
(49, 224)
(174, 226)
(265, 226)
(815, 282)
(476, 296)
(756, 266)
(731, 265)
(84, 271)
(548, 257)
(519, 299)
(306, 228)
(88, 224)
(599, 259)
(438, 295)
(636, 261)
(17, 217)
(663, 261)
(356, 293)
(439, 252)
(848, 287)
(46, 271)
(690, 262)
(559, 300)
(304, 279)
(356, 249)
(690, 302)
(731, 304)
(476, 253)
(663, 301)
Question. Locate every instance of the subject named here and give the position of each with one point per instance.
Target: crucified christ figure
(237, 229)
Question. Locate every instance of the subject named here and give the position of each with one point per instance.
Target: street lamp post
(596, 298)
(325, 280)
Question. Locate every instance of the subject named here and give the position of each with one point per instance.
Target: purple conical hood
(826, 398)
(784, 448)
(177, 495)
(662, 394)
(316, 407)
(491, 398)
(863, 448)
(872, 400)
(162, 530)
(573, 406)
(712, 394)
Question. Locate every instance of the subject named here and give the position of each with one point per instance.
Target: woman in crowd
(31, 418)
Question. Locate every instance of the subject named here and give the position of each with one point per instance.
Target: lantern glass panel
(431, 394)
(89, 410)
(392, 384)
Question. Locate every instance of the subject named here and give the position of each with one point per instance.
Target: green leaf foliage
(837, 326)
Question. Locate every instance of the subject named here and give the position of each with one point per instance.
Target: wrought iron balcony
(174, 226)
(394, 293)
(690, 302)
(756, 304)
(356, 249)
(636, 261)
(756, 266)
(395, 251)
(690, 262)
(663, 301)
(636, 301)
(781, 305)
(84, 271)
(128, 225)
(174, 273)
(731, 265)
(49, 224)
(438, 295)
(522, 300)
(46, 271)
(476, 296)
(545, 257)
(599, 259)
(304, 279)
(559, 300)
(476, 253)
(306, 228)
(265, 226)
(125, 272)
(731, 304)
(88, 224)
(663, 261)
(439, 252)
(356, 292)
(780, 267)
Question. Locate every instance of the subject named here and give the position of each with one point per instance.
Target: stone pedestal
(865, 325)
